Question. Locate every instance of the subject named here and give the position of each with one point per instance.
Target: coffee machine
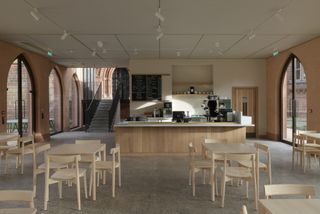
(167, 109)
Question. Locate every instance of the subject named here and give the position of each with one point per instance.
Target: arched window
(73, 103)
(20, 100)
(294, 99)
(55, 103)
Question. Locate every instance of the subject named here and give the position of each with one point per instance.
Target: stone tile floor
(154, 184)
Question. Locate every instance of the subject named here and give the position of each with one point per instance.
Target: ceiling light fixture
(34, 14)
(279, 15)
(94, 53)
(159, 15)
(100, 44)
(217, 44)
(275, 52)
(251, 35)
(160, 35)
(64, 35)
(178, 53)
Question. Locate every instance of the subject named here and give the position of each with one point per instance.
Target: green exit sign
(50, 53)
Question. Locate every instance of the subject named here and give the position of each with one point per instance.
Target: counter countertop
(174, 124)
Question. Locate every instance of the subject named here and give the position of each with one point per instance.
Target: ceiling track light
(159, 15)
(251, 35)
(94, 53)
(64, 35)
(34, 14)
(159, 29)
(104, 50)
(160, 35)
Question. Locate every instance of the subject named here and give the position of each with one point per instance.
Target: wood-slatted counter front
(146, 137)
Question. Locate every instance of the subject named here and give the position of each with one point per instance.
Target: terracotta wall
(40, 68)
(309, 55)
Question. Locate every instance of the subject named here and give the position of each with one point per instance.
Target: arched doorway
(20, 98)
(294, 99)
(74, 103)
(55, 103)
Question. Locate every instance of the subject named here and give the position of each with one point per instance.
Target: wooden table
(18, 211)
(231, 148)
(4, 137)
(289, 206)
(311, 135)
(82, 149)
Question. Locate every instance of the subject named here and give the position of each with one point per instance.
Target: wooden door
(245, 99)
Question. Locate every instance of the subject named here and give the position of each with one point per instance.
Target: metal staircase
(100, 120)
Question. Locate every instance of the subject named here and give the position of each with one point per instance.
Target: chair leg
(17, 161)
(46, 195)
(292, 158)
(223, 190)
(193, 183)
(247, 189)
(6, 165)
(34, 181)
(203, 176)
(119, 171)
(22, 163)
(104, 174)
(90, 184)
(60, 189)
(85, 185)
(113, 182)
(270, 174)
(190, 175)
(78, 193)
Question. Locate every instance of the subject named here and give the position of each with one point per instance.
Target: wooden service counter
(168, 137)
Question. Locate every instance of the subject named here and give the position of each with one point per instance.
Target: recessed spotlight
(160, 35)
(94, 53)
(159, 15)
(34, 14)
(178, 53)
(100, 44)
(64, 35)
(251, 35)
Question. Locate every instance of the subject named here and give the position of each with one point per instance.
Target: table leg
(94, 185)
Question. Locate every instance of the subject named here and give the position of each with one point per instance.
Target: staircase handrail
(92, 107)
(114, 106)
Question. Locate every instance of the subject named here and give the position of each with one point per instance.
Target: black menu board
(146, 87)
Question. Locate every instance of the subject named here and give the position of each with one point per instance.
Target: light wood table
(289, 206)
(82, 149)
(4, 137)
(18, 211)
(311, 135)
(231, 148)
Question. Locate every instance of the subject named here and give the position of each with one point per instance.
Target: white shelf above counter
(174, 124)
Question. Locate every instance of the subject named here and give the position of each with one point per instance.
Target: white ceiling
(128, 28)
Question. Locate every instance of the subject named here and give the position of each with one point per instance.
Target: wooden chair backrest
(214, 140)
(17, 195)
(64, 159)
(298, 140)
(192, 151)
(244, 210)
(115, 152)
(41, 147)
(264, 149)
(13, 141)
(289, 189)
(239, 157)
(90, 142)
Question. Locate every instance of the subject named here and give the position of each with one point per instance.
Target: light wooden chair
(289, 189)
(41, 168)
(205, 154)
(244, 210)
(228, 173)
(88, 158)
(24, 147)
(302, 149)
(196, 165)
(18, 195)
(109, 166)
(266, 167)
(70, 174)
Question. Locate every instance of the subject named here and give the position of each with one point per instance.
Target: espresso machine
(167, 109)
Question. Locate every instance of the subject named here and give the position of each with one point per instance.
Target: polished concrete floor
(154, 184)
